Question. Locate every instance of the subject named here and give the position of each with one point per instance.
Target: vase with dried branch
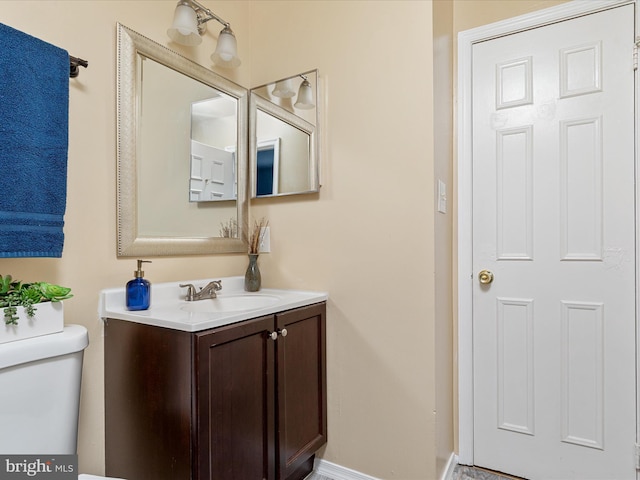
(252, 277)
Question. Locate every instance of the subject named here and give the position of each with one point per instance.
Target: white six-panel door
(554, 222)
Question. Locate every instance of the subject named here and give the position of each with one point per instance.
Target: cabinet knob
(273, 335)
(283, 332)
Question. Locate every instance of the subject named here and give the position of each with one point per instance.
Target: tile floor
(462, 472)
(316, 476)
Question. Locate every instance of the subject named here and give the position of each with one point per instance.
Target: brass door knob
(485, 277)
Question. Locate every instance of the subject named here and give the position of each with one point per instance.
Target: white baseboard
(337, 472)
(451, 465)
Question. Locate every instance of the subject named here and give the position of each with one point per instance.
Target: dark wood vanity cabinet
(246, 401)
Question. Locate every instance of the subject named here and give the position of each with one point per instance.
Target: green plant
(14, 294)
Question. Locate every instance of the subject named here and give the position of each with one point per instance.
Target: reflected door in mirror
(213, 146)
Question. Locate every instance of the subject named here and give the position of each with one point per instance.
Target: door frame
(466, 39)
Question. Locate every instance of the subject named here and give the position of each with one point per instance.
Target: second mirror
(283, 136)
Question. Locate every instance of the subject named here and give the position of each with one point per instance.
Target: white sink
(231, 303)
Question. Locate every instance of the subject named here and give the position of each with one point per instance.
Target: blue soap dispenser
(139, 290)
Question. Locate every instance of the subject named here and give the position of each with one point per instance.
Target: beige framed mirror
(283, 137)
(158, 93)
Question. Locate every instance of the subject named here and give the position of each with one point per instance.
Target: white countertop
(168, 307)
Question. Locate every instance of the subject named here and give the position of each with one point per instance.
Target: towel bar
(74, 63)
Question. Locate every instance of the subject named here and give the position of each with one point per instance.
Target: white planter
(48, 318)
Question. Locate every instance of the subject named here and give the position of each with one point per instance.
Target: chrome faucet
(208, 291)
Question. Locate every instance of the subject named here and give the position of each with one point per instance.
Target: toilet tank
(40, 393)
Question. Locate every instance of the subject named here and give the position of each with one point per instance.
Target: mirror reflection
(283, 136)
(167, 143)
(213, 147)
(170, 111)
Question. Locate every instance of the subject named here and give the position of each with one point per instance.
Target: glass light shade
(284, 89)
(226, 54)
(184, 29)
(305, 97)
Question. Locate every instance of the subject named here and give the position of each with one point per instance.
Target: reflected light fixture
(305, 95)
(284, 89)
(190, 23)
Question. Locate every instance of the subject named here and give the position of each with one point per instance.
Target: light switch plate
(265, 245)
(442, 197)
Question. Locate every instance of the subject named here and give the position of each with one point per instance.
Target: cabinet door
(148, 401)
(235, 402)
(301, 390)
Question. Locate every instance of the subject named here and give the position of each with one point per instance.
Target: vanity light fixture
(305, 95)
(190, 23)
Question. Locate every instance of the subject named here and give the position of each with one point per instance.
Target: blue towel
(34, 114)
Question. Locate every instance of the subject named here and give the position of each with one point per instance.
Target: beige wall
(443, 43)
(367, 238)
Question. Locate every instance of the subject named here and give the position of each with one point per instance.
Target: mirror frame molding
(257, 102)
(130, 244)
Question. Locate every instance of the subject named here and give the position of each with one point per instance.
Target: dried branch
(256, 235)
(229, 229)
